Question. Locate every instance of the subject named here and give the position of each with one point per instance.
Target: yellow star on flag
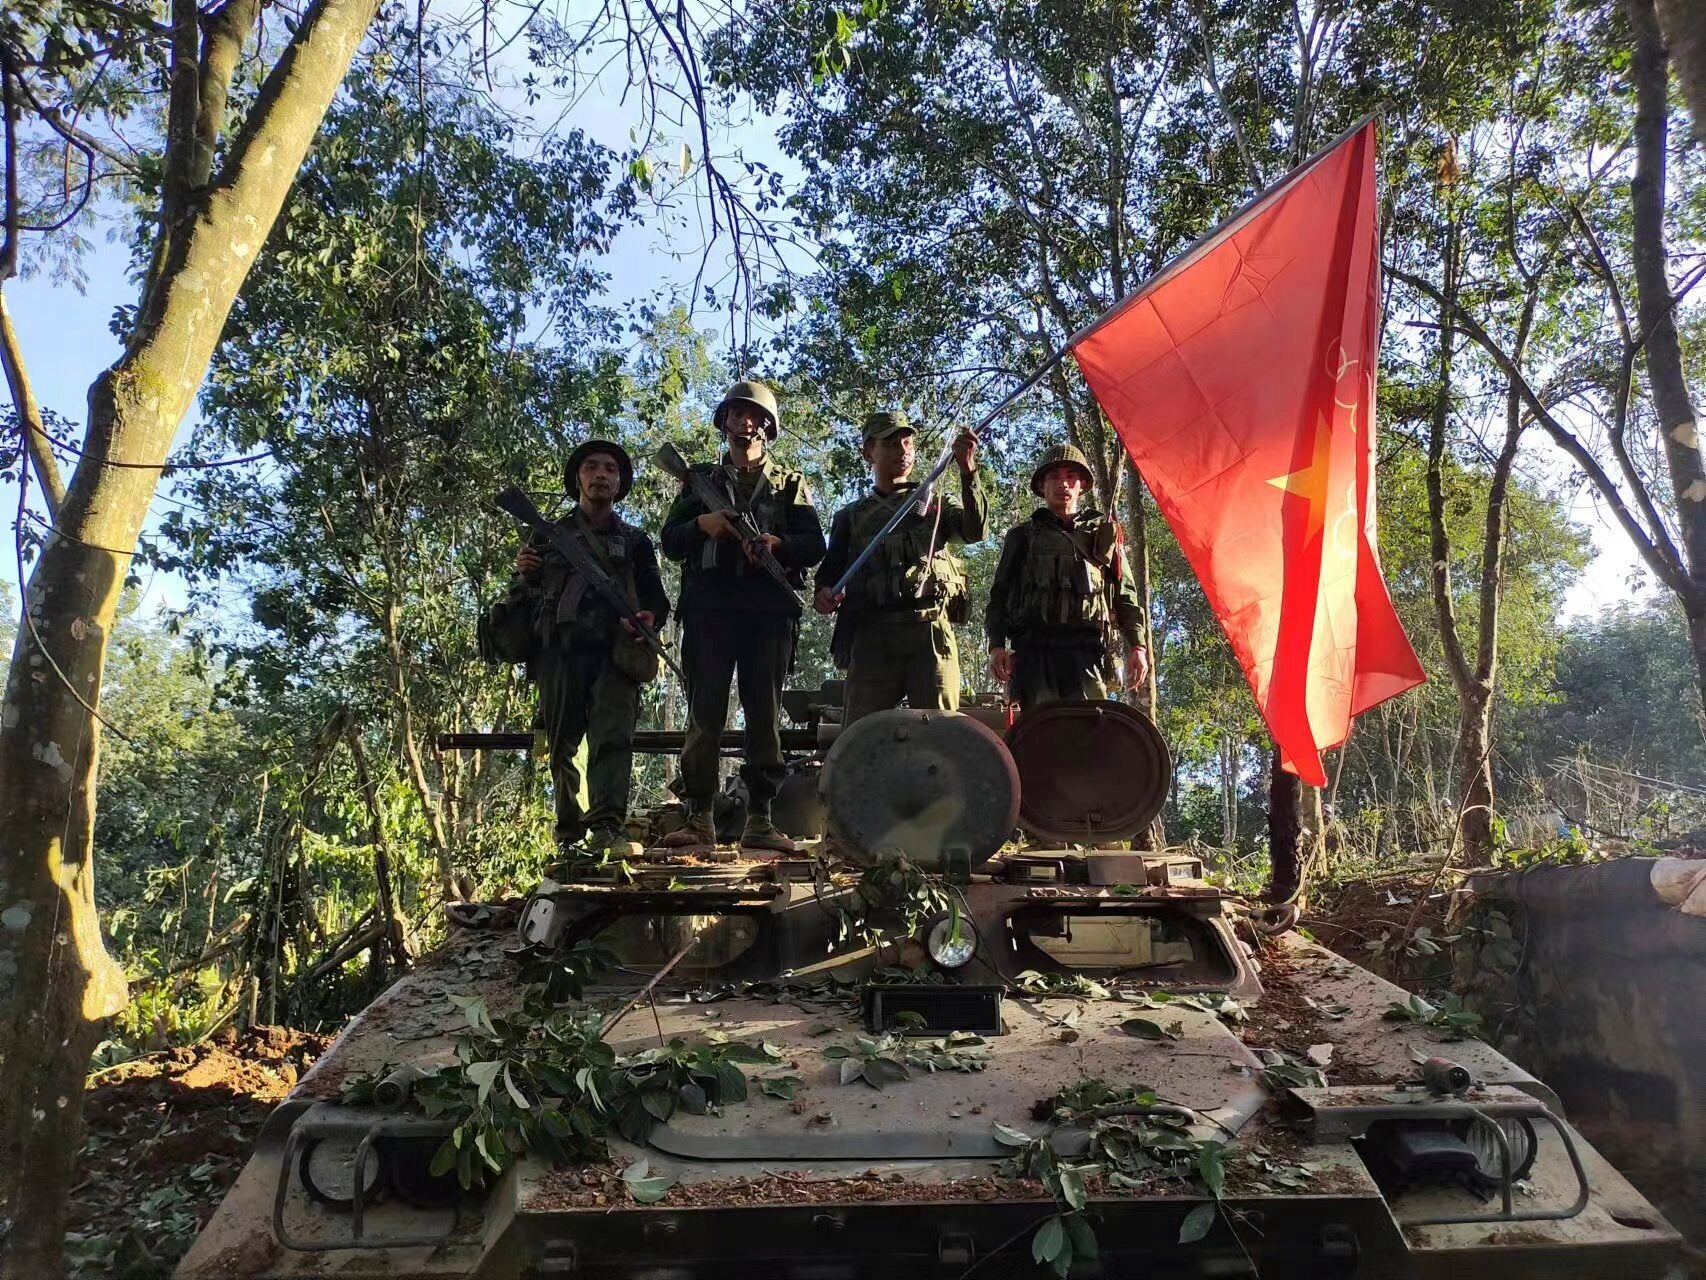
(1310, 482)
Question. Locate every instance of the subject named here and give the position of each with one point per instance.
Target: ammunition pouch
(505, 632)
(634, 658)
(1063, 584)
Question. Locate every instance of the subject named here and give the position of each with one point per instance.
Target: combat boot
(761, 833)
(697, 832)
(611, 844)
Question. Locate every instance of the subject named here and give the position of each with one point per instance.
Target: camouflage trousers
(582, 695)
(754, 652)
(901, 657)
(1058, 671)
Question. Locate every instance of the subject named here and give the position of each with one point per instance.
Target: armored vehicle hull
(1060, 1056)
(846, 1181)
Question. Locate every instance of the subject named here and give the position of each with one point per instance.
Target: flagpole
(913, 495)
(1182, 259)
(1173, 265)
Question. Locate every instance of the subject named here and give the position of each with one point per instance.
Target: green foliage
(543, 1080)
(893, 898)
(1617, 696)
(1447, 1014)
(1131, 1144)
(878, 1063)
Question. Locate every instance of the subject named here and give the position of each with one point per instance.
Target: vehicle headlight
(328, 1171)
(1479, 1137)
(952, 941)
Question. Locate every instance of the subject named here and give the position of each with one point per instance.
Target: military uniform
(738, 623)
(1062, 591)
(586, 690)
(894, 632)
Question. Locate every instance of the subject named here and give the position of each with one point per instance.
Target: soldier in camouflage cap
(1063, 595)
(738, 623)
(894, 632)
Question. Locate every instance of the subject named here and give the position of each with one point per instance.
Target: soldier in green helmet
(585, 659)
(738, 623)
(894, 634)
(1063, 596)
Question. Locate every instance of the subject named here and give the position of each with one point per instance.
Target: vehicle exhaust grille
(942, 1009)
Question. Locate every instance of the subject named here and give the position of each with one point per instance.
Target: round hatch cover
(1090, 771)
(937, 785)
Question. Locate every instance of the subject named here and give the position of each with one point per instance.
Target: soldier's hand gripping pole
(516, 503)
(918, 491)
(712, 499)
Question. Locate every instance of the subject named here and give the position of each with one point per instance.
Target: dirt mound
(1376, 923)
(166, 1136)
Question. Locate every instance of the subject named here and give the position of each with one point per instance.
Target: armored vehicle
(958, 1055)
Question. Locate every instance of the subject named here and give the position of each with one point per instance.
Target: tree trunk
(385, 912)
(1474, 754)
(412, 750)
(1137, 552)
(1684, 23)
(57, 983)
(1656, 308)
(29, 415)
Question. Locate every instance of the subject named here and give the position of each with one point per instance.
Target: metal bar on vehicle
(646, 741)
(1341, 1121)
(357, 1238)
(643, 992)
(1526, 1215)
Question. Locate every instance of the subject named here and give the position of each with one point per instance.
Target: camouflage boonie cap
(885, 423)
(1067, 454)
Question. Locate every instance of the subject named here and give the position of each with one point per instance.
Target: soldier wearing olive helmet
(738, 623)
(1063, 606)
(587, 661)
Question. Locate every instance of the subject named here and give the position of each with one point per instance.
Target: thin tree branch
(1213, 76)
(29, 413)
(1667, 568)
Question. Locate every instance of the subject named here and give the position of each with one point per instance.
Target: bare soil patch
(166, 1136)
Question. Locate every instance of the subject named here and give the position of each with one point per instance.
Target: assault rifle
(713, 499)
(570, 544)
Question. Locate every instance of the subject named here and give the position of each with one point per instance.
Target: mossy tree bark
(57, 982)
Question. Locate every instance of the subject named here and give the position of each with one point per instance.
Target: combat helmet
(753, 393)
(1053, 456)
(624, 467)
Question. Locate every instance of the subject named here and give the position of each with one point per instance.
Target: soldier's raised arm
(967, 518)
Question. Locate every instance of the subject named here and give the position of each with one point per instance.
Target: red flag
(1241, 381)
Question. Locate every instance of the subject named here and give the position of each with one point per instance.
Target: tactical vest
(1068, 580)
(564, 592)
(769, 513)
(903, 575)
